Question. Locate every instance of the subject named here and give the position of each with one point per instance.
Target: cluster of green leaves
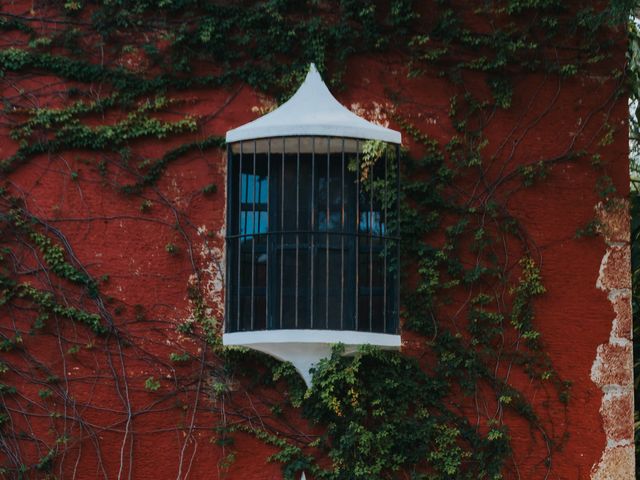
(24, 226)
(201, 318)
(395, 420)
(71, 133)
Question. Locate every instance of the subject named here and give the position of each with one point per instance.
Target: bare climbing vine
(99, 114)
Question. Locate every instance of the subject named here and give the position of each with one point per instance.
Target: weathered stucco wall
(584, 317)
(612, 369)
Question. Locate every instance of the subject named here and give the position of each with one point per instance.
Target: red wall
(170, 429)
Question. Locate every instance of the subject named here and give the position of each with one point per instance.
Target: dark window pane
(304, 283)
(363, 313)
(289, 282)
(377, 313)
(306, 244)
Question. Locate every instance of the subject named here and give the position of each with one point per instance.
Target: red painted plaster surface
(111, 235)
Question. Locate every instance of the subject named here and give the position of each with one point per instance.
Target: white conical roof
(312, 111)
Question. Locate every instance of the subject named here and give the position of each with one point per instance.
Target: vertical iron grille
(312, 235)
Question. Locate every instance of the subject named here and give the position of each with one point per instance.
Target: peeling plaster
(612, 369)
(616, 464)
(212, 252)
(213, 259)
(211, 278)
(377, 113)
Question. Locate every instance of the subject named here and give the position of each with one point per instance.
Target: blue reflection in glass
(371, 222)
(253, 223)
(254, 183)
(254, 217)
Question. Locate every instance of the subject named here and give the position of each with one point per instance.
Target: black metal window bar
(312, 237)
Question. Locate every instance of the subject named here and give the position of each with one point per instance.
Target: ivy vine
(122, 73)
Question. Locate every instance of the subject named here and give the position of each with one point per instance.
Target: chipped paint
(612, 369)
(213, 261)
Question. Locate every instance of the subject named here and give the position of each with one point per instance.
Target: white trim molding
(305, 348)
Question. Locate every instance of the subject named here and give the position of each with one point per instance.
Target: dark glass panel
(363, 313)
(311, 246)
(377, 313)
(304, 283)
(289, 282)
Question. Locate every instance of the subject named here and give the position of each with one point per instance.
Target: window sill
(305, 348)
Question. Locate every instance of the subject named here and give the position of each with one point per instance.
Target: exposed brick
(614, 221)
(622, 325)
(617, 416)
(613, 365)
(616, 464)
(615, 272)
